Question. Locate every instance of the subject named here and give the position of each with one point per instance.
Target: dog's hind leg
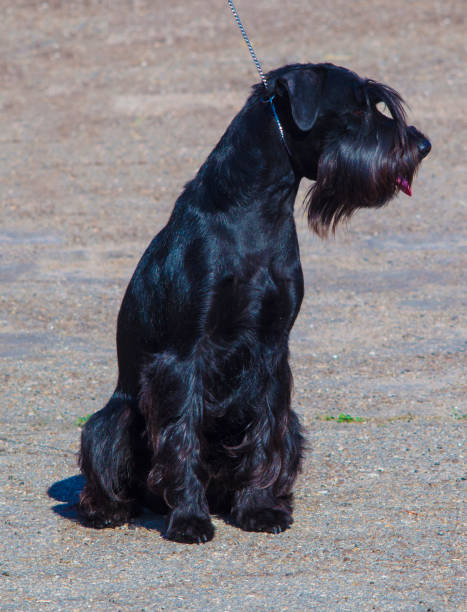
(108, 458)
(172, 404)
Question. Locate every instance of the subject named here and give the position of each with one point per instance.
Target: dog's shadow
(67, 492)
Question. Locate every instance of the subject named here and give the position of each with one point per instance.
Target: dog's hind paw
(269, 520)
(190, 529)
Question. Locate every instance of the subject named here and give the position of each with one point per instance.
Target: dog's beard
(358, 172)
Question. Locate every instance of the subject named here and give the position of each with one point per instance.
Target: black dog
(200, 420)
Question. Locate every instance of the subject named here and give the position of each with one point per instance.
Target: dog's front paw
(106, 515)
(270, 520)
(190, 529)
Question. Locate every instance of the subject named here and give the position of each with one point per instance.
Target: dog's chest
(260, 305)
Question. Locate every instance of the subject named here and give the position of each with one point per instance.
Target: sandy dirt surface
(107, 109)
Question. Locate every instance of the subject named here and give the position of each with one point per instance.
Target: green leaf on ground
(81, 421)
(343, 418)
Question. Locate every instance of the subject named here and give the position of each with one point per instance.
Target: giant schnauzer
(200, 420)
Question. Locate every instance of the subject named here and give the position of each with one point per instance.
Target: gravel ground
(108, 108)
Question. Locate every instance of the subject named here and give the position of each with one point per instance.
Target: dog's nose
(423, 144)
(424, 147)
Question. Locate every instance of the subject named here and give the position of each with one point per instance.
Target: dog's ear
(303, 87)
(361, 96)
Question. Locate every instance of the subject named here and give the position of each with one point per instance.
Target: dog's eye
(383, 109)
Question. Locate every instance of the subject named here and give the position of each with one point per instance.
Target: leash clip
(268, 98)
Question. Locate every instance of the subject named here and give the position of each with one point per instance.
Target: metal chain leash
(248, 43)
(260, 71)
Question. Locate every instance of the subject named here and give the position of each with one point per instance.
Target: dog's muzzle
(423, 148)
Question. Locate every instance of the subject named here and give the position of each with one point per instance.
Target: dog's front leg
(171, 401)
(184, 483)
(269, 460)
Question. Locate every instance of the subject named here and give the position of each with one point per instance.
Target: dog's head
(349, 135)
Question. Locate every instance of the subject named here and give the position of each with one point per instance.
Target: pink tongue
(404, 185)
